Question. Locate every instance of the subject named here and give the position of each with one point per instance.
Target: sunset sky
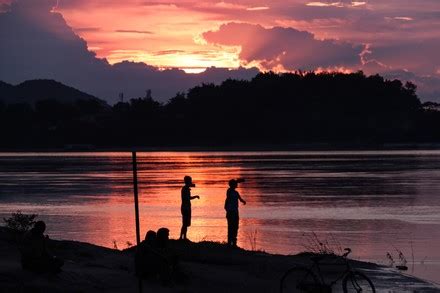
(394, 37)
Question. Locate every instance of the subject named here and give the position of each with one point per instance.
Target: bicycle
(303, 279)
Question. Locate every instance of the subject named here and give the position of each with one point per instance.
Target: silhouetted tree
(300, 107)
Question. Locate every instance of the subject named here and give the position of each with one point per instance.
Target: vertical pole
(136, 210)
(136, 200)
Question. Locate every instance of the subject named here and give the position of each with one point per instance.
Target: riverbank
(209, 266)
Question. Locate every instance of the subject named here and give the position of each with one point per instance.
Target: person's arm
(186, 195)
(242, 200)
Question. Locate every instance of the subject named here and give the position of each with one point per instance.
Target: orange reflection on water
(160, 179)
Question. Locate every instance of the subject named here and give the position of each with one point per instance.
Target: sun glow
(190, 61)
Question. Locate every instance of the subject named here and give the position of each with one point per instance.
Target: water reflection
(370, 201)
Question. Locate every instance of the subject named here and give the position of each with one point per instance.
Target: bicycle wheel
(357, 282)
(299, 279)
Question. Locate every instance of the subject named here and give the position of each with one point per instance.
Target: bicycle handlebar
(347, 252)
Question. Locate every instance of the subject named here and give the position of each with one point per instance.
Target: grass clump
(314, 244)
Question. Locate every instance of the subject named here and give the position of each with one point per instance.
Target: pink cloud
(286, 47)
(37, 43)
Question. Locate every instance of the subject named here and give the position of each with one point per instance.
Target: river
(371, 201)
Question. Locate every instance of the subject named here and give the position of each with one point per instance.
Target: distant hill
(6, 90)
(32, 91)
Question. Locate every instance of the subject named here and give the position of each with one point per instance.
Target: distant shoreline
(232, 148)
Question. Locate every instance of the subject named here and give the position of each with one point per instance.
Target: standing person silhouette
(231, 207)
(186, 206)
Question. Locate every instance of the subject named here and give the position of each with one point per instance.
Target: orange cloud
(168, 33)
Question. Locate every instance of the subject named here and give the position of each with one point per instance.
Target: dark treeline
(269, 109)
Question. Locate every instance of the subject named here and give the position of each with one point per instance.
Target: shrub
(20, 222)
(314, 244)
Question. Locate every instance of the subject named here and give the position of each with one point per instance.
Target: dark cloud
(33, 6)
(134, 32)
(4, 7)
(287, 47)
(87, 29)
(420, 57)
(157, 3)
(428, 85)
(38, 43)
(168, 52)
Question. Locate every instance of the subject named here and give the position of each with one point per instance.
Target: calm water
(372, 201)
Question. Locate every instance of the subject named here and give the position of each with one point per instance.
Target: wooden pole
(136, 210)
(136, 200)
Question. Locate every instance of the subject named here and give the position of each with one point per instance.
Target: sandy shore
(211, 267)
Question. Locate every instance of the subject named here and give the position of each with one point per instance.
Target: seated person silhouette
(146, 256)
(155, 260)
(168, 267)
(34, 253)
(162, 239)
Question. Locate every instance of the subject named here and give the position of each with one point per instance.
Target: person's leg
(235, 229)
(230, 232)
(184, 228)
(183, 231)
(186, 222)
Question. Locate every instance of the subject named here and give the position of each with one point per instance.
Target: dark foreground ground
(211, 267)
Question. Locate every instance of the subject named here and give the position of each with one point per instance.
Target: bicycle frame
(316, 267)
(312, 278)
